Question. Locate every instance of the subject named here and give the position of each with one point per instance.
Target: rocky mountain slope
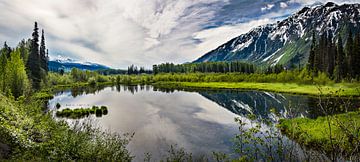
(288, 42)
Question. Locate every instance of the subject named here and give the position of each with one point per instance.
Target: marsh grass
(293, 88)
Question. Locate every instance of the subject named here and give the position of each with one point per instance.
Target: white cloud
(268, 7)
(212, 38)
(123, 32)
(116, 33)
(283, 5)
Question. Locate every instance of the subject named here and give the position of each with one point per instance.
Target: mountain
(288, 42)
(67, 64)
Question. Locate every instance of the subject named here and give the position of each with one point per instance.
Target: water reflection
(200, 121)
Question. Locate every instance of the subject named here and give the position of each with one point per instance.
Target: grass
(43, 96)
(345, 90)
(315, 133)
(29, 134)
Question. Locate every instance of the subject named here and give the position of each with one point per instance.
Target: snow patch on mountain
(267, 44)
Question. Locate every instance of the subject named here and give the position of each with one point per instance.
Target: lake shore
(316, 133)
(340, 89)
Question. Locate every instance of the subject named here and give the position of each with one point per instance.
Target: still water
(199, 121)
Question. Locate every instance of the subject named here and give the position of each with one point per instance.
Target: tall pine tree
(33, 63)
(349, 49)
(3, 62)
(311, 62)
(43, 54)
(331, 52)
(341, 66)
(356, 55)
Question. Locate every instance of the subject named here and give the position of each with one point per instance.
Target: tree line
(336, 60)
(207, 67)
(132, 69)
(24, 66)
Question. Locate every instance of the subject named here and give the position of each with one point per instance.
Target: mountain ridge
(288, 41)
(67, 64)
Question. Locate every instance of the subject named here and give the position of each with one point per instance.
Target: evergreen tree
(341, 65)
(6, 50)
(356, 56)
(331, 52)
(43, 54)
(3, 62)
(349, 49)
(23, 46)
(33, 63)
(16, 79)
(311, 61)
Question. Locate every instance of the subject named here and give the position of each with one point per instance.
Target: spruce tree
(33, 63)
(330, 55)
(311, 61)
(3, 62)
(24, 50)
(340, 60)
(356, 55)
(349, 49)
(6, 50)
(43, 54)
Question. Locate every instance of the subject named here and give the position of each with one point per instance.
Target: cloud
(118, 33)
(283, 5)
(267, 7)
(212, 38)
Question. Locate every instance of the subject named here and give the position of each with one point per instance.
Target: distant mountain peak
(66, 63)
(288, 42)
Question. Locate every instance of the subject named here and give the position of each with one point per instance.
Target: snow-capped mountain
(67, 64)
(288, 42)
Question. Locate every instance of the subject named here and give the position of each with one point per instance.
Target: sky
(118, 33)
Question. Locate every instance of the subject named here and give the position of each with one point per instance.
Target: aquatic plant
(58, 105)
(79, 113)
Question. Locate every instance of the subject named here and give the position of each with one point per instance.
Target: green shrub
(92, 81)
(58, 105)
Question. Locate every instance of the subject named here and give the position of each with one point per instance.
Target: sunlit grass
(315, 133)
(347, 89)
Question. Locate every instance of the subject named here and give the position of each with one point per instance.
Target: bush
(79, 113)
(92, 81)
(58, 105)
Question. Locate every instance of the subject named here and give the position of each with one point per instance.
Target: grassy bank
(344, 89)
(333, 134)
(27, 134)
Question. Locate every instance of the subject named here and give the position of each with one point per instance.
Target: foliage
(331, 58)
(134, 70)
(79, 113)
(263, 142)
(33, 63)
(295, 76)
(43, 96)
(347, 89)
(58, 105)
(16, 79)
(34, 136)
(216, 67)
(315, 133)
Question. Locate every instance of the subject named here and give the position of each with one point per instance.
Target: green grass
(33, 135)
(315, 133)
(344, 89)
